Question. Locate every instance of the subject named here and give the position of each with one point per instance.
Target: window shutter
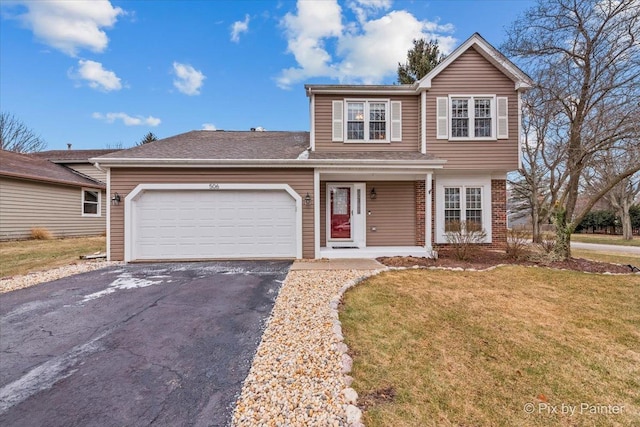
(503, 117)
(337, 133)
(442, 119)
(396, 121)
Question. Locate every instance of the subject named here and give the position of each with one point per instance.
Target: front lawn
(613, 257)
(505, 347)
(25, 256)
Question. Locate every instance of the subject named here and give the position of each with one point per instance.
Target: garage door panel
(181, 224)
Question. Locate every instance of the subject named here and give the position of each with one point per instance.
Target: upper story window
(469, 117)
(366, 120)
(90, 202)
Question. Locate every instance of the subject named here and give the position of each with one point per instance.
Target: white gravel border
(24, 281)
(299, 373)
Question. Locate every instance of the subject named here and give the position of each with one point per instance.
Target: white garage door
(196, 224)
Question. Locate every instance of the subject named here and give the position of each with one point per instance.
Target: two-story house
(383, 171)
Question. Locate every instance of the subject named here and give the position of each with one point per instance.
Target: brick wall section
(420, 216)
(498, 213)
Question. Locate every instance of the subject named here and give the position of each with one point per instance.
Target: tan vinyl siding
(410, 126)
(124, 180)
(89, 170)
(472, 74)
(58, 208)
(393, 213)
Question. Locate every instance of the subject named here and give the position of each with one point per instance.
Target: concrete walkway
(338, 264)
(631, 250)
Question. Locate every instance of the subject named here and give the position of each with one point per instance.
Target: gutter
(272, 163)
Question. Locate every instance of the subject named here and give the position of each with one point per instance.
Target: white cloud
(367, 51)
(96, 76)
(127, 119)
(188, 79)
(71, 25)
(208, 126)
(238, 28)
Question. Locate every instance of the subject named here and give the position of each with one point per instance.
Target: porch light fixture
(115, 199)
(373, 194)
(307, 199)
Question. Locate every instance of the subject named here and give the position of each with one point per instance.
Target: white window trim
(463, 182)
(366, 139)
(93, 190)
(471, 118)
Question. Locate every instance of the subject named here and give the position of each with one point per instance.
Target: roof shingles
(29, 167)
(227, 145)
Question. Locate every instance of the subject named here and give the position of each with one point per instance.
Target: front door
(345, 218)
(340, 211)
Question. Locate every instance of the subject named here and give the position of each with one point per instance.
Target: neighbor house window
(367, 120)
(472, 117)
(90, 202)
(459, 210)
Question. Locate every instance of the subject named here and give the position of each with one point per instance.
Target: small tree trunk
(535, 224)
(625, 216)
(562, 248)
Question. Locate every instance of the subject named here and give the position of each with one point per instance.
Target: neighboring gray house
(66, 195)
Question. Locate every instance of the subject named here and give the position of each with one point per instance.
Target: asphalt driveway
(135, 345)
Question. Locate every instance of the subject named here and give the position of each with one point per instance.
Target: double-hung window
(472, 117)
(469, 117)
(459, 209)
(367, 121)
(90, 202)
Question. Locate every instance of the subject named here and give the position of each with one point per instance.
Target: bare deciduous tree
(589, 55)
(623, 195)
(17, 136)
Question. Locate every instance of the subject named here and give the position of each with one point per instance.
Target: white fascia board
(363, 90)
(269, 163)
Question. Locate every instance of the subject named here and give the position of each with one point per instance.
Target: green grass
(442, 348)
(25, 256)
(605, 239)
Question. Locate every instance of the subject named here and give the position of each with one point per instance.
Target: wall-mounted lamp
(373, 194)
(307, 199)
(115, 199)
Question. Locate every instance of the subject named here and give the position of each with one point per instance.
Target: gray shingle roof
(71, 156)
(30, 167)
(203, 144)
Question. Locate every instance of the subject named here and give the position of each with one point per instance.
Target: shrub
(40, 233)
(517, 243)
(464, 238)
(547, 243)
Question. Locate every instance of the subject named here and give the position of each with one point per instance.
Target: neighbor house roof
(30, 167)
(71, 156)
(227, 145)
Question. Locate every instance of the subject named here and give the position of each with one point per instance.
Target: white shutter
(396, 121)
(502, 117)
(442, 119)
(337, 133)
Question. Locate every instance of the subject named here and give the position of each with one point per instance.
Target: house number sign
(214, 186)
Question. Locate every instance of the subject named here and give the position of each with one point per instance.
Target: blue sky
(100, 74)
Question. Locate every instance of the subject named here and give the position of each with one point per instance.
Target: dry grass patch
(613, 257)
(22, 257)
(472, 348)
(605, 239)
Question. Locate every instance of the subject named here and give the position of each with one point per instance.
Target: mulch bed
(483, 258)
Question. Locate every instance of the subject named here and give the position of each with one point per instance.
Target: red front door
(341, 213)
